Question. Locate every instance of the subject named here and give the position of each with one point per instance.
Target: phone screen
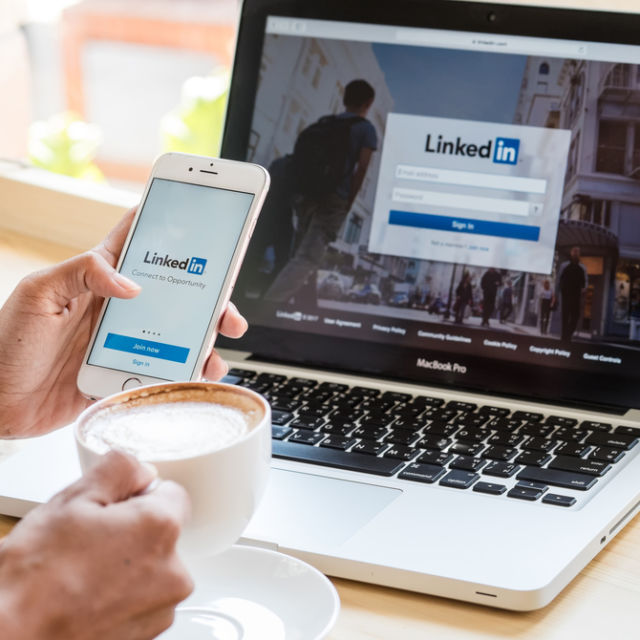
(181, 250)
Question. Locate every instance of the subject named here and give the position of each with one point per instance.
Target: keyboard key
(337, 442)
(439, 427)
(524, 493)
(606, 454)
(570, 434)
(408, 423)
(539, 444)
(504, 424)
(304, 436)
(284, 404)
(241, 373)
(629, 431)
(303, 382)
(570, 463)
(315, 410)
(467, 463)
(338, 428)
(471, 420)
(506, 439)
(272, 378)
(466, 448)
(533, 458)
(307, 422)
(500, 469)
(558, 478)
(529, 416)
(536, 429)
(366, 392)
(422, 472)
(280, 417)
(559, 500)
(498, 452)
(428, 401)
(572, 449)
(459, 479)
(401, 436)
(461, 406)
(561, 421)
(278, 433)
(533, 485)
(333, 386)
(396, 397)
(339, 459)
(435, 457)
(589, 425)
(400, 452)
(434, 442)
(472, 435)
(369, 447)
(489, 487)
(494, 411)
(229, 379)
(370, 433)
(613, 440)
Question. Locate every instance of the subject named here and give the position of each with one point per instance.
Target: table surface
(601, 602)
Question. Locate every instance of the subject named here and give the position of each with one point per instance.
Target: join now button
(146, 348)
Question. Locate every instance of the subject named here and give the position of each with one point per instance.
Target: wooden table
(603, 598)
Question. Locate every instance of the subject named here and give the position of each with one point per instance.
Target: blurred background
(96, 89)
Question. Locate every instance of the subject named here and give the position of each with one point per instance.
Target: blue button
(146, 348)
(464, 225)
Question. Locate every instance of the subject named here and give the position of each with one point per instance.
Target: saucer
(248, 593)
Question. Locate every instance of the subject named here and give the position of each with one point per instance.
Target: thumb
(116, 477)
(88, 272)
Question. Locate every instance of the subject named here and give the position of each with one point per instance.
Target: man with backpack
(330, 160)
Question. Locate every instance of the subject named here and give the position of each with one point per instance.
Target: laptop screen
(447, 205)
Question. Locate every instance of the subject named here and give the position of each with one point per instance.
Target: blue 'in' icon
(506, 150)
(196, 266)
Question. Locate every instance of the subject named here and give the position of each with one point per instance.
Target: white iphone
(184, 249)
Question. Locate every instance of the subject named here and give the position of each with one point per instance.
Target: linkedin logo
(197, 266)
(506, 151)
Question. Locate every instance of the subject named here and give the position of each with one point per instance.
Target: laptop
(447, 320)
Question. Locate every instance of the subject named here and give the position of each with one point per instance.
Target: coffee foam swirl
(166, 430)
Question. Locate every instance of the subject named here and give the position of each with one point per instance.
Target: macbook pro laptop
(445, 316)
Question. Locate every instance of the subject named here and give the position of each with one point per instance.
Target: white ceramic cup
(225, 484)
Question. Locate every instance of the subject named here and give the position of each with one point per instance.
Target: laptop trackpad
(308, 510)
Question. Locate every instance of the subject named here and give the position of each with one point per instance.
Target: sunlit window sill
(58, 209)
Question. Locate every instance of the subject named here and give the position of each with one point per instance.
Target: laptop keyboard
(426, 439)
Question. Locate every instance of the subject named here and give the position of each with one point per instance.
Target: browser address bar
(490, 42)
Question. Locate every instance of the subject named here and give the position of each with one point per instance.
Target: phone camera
(491, 16)
(190, 168)
(211, 164)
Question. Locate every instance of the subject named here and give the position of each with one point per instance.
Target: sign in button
(464, 225)
(146, 348)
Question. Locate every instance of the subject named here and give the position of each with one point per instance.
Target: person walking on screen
(489, 283)
(546, 302)
(506, 304)
(330, 160)
(464, 296)
(572, 284)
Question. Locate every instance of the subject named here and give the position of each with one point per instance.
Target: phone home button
(131, 383)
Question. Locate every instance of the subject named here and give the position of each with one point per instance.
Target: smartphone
(184, 248)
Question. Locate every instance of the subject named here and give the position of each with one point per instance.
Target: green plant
(195, 125)
(67, 145)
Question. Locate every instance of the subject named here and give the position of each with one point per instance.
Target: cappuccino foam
(165, 431)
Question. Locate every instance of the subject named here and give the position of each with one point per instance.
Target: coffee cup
(212, 438)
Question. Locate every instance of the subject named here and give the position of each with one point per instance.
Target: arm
(97, 561)
(45, 327)
(358, 175)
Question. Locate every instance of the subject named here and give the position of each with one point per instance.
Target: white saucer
(247, 593)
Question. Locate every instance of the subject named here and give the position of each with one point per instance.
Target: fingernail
(124, 282)
(153, 470)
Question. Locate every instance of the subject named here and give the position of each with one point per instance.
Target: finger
(89, 272)
(170, 498)
(116, 477)
(215, 367)
(111, 246)
(233, 324)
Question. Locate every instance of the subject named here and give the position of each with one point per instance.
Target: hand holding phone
(184, 249)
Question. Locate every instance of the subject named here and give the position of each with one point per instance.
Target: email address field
(464, 225)
(471, 179)
(469, 203)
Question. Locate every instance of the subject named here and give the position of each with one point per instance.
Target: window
(87, 58)
(572, 160)
(612, 140)
(353, 230)
(543, 69)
